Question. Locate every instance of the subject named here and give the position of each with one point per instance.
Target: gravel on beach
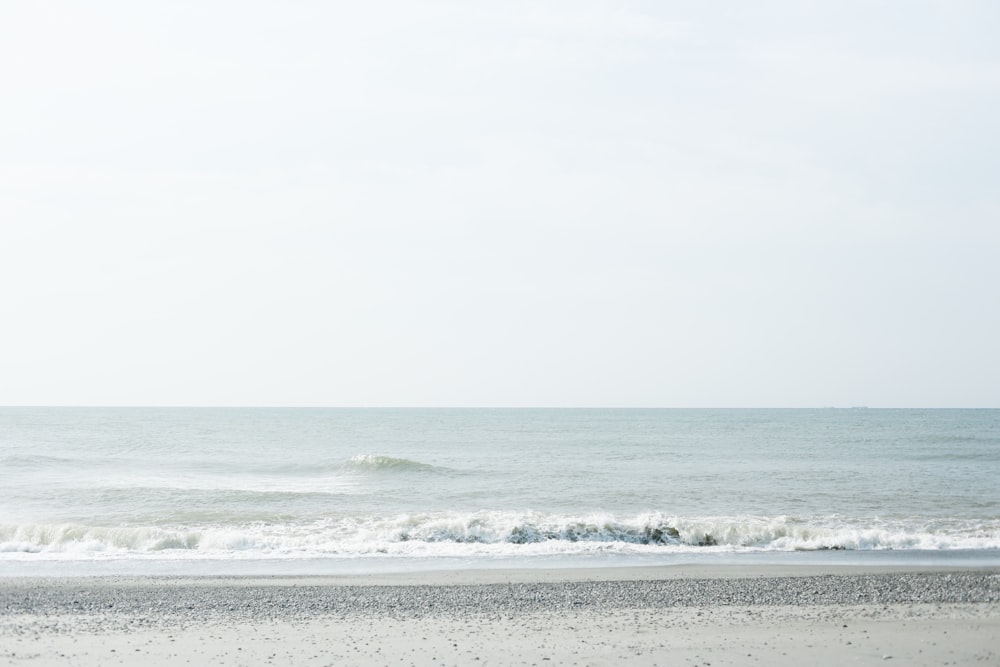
(161, 601)
(612, 618)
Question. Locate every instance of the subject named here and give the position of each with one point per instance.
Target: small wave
(375, 463)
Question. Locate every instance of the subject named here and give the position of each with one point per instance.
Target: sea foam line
(496, 533)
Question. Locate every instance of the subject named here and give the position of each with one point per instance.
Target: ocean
(313, 490)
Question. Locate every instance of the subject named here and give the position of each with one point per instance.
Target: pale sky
(676, 204)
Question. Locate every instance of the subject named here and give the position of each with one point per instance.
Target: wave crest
(376, 463)
(493, 534)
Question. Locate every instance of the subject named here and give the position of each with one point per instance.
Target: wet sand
(644, 616)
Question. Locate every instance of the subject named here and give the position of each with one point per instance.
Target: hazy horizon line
(490, 407)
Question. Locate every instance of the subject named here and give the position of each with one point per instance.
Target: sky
(580, 203)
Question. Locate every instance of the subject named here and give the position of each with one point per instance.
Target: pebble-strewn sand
(599, 617)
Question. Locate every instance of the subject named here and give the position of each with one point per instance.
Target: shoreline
(396, 569)
(502, 575)
(717, 614)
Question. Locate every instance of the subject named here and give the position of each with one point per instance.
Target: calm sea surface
(91, 490)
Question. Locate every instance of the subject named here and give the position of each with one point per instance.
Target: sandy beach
(642, 616)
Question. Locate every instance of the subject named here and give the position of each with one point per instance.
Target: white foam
(491, 534)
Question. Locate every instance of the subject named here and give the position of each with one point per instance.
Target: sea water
(270, 490)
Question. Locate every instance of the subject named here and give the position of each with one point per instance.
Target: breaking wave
(375, 463)
(492, 534)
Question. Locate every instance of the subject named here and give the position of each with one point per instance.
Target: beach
(645, 616)
(271, 536)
